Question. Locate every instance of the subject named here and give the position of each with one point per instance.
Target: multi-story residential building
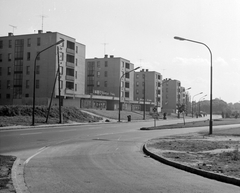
(104, 76)
(147, 88)
(17, 59)
(171, 93)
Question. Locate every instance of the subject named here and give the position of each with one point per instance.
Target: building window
(70, 45)
(27, 69)
(9, 57)
(137, 83)
(0, 57)
(137, 91)
(137, 76)
(126, 84)
(10, 43)
(29, 42)
(62, 42)
(127, 65)
(37, 84)
(8, 84)
(8, 96)
(75, 74)
(127, 75)
(61, 84)
(0, 71)
(76, 49)
(28, 56)
(106, 63)
(38, 41)
(123, 64)
(75, 87)
(70, 58)
(105, 74)
(105, 83)
(61, 70)
(26, 95)
(1, 44)
(27, 83)
(9, 71)
(98, 64)
(38, 69)
(127, 94)
(61, 56)
(98, 83)
(98, 73)
(76, 61)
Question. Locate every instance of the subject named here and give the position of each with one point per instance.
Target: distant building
(171, 93)
(17, 56)
(148, 88)
(103, 79)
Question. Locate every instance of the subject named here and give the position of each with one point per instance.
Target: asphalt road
(99, 158)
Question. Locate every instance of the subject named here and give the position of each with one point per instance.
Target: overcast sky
(142, 31)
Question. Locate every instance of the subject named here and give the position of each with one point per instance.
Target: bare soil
(6, 185)
(216, 153)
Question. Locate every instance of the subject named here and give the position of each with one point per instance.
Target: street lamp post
(34, 78)
(119, 93)
(203, 97)
(186, 101)
(183, 39)
(193, 100)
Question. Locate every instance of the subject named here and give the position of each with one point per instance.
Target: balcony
(69, 91)
(68, 77)
(70, 51)
(70, 64)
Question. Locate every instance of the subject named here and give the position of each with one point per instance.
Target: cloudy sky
(142, 31)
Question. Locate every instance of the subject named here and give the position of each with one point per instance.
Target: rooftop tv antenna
(42, 16)
(105, 45)
(13, 27)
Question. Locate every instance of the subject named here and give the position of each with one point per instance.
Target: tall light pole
(193, 100)
(34, 78)
(183, 39)
(119, 92)
(200, 101)
(186, 109)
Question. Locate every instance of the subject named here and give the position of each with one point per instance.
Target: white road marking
(31, 133)
(40, 150)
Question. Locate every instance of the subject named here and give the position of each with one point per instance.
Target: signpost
(155, 114)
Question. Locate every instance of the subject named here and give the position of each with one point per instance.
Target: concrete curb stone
(211, 175)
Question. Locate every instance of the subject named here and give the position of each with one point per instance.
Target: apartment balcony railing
(70, 64)
(69, 77)
(70, 51)
(69, 91)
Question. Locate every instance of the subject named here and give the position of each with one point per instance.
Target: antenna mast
(13, 27)
(105, 45)
(42, 16)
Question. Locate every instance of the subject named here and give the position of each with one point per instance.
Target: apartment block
(109, 76)
(148, 87)
(18, 56)
(172, 96)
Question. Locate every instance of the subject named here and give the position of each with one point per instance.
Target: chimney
(40, 31)
(146, 70)
(105, 56)
(10, 34)
(111, 56)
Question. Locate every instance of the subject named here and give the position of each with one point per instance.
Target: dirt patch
(215, 153)
(6, 185)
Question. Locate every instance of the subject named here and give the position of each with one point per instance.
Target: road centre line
(31, 133)
(40, 150)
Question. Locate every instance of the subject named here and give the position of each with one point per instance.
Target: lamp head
(179, 38)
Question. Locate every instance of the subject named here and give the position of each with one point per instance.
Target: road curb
(17, 175)
(210, 175)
